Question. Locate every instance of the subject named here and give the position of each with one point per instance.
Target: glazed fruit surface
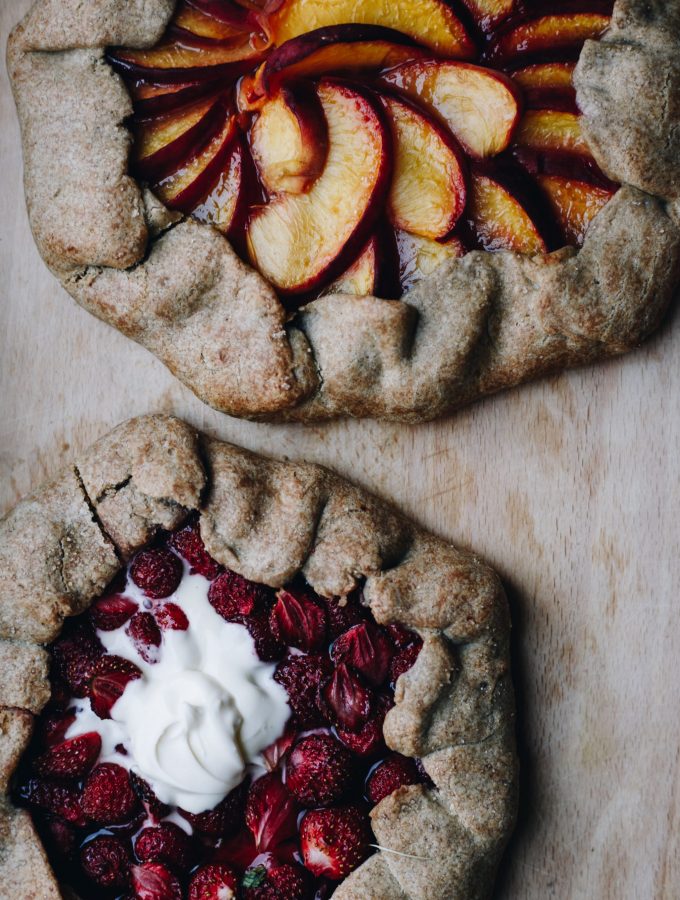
(297, 823)
(355, 146)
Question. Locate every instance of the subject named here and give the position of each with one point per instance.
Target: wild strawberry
(153, 881)
(105, 861)
(171, 617)
(369, 740)
(53, 728)
(335, 841)
(108, 797)
(75, 656)
(347, 699)
(391, 774)
(157, 572)
(112, 611)
(367, 649)
(343, 612)
(267, 646)
(274, 882)
(319, 770)
(72, 758)
(189, 544)
(145, 634)
(63, 800)
(271, 812)
(110, 676)
(225, 818)
(301, 676)
(213, 882)
(233, 596)
(404, 659)
(275, 752)
(298, 621)
(165, 843)
(153, 807)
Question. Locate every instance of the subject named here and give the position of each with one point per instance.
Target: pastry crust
(269, 520)
(477, 325)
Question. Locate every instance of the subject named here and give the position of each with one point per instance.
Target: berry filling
(146, 780)
(354, 146)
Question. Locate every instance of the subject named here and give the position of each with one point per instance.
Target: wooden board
(571, 489)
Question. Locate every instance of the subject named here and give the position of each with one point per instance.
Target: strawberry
(155, 810)
(367, 649)
(112, 611)
(401, 637)
(271, 812)
(392, 773)
(110, 676)
(342, 614)
(369, 740)
(157, 572)
(53, 728)
(267, 646)
(213, 882)
(233, 596)
(274, 882)
(238, 851)
(347, 699)
(275, 752)
(108, 797)
(335, 841)
(165, 843)
(189, 544)
(404, 659)
(153, 881)
(171, 617)
(75, 656)
(59, 837)
(63, 800)
(105, 861)
(72, 758)
(145, 634)
(301, 676)
(319, 770)
(225, 818)
(298, 621)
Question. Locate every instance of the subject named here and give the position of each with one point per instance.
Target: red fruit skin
(75, 656)
(301, 676)
(153, 881)
(165, 843)
(111, 675)
(238, 851)
(153, 807)
(105, 861)
(233, 596)
(342, 614)
(171, 617)
(72, 758)
(366, 648)
(335, 841)
(275, 882)
(267, 647)
(209, 882)
(276, 751)
(157, 572)
(348, 701)
(271, 812)
(59, 837)
(298, 621)
(112, 611)
(108, 797)
(369, 740)
(53, 728)
(145, 634)
(404, 660)
(63, 800)
(319, 770)
(395, 772)
(189, 544)
(225, 818)
(401, 637)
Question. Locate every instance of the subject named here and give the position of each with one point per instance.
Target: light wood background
(570, 488)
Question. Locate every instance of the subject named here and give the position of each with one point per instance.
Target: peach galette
(246, 188)
(286, 692)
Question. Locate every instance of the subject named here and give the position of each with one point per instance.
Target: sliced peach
(184, 188)
(488, 13)
(548, 85)
(431, 23)
(480, 106)
(184, 61)
(551, 33)
(201, 23)
(163, 143)
(498, 219)
(301, 241)
(574, 204)
(225, 207)
(154, 99)
(428, 192)
(375, 270)
(289, 140)
(548, 130)
(420, 257)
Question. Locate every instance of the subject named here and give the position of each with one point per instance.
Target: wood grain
(571, 488)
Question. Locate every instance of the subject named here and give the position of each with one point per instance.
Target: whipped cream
(200, 715)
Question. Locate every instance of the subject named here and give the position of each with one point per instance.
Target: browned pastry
(442, 832)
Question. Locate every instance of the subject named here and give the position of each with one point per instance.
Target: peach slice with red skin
(374, 272)
(289, 140)
(551, 130)
(151, 100)
(546, 34)
(574, 204)
(301, 241)
(428, 191)
(488, 13)
(200, 22)
(497, 217)
(548, 86)
(431, 23)
(420, 257)
(481, 107)
(226, 206)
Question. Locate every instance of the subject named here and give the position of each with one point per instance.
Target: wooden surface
(570, 488)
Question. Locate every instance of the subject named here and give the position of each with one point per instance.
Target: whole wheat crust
(477, 325)
(269, 520)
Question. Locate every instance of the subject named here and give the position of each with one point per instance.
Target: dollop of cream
(200, 715)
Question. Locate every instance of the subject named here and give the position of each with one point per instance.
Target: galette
(223, 676)
(308, 208)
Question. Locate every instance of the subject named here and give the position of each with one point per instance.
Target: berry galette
(223, 676)
(309, 208)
